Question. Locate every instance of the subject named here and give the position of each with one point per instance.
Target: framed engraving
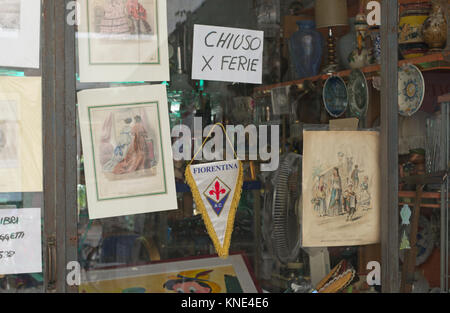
(127, 151)
(123, 40)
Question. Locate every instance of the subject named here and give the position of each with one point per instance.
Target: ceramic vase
(347, 44)
(306, 49)
(360, 57)
(435, 28)
(375, 37)
(411, 40)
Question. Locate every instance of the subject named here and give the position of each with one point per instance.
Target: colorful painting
(340, 188)
(212, 280)
(9, 15)
(203, 275)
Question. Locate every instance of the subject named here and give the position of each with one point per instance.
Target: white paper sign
(20, 241)
(227, 54)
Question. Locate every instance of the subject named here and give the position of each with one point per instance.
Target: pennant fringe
(222, 251)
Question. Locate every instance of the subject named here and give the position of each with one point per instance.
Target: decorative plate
(358, 93)
(335, 96)
(411, 90)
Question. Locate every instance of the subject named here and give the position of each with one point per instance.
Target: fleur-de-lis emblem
(218, 190)
(217, 195)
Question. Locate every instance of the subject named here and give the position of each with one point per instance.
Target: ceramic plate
(411, 90)
(335, 96)
(358, 93)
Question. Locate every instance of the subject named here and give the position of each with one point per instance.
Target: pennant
(216, 189)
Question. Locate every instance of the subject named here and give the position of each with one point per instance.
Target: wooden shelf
(434, 61)
(433, 178)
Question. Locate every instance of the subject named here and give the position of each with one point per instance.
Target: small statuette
(405, 214)
(405, 242)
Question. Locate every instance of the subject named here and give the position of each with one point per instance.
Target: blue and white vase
(375, 36)
(306, 49)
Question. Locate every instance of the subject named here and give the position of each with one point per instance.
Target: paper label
(20, 241)
(227, 54)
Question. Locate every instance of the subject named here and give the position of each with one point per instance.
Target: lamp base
(332, 65)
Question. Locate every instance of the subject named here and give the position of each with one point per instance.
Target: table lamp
(331, 14)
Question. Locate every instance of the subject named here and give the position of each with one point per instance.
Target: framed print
(20, 134)
(20, 22)
(341, 191)
(127, 150)
(208, 274)
(123, 40)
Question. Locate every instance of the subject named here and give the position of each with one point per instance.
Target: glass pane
(297, 229)
(112, 247)
(21, 161)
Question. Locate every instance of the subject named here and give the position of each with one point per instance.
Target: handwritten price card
(227, 54)
(20, 241)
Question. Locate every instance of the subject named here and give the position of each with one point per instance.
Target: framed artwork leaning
(127, 150)
(123, 41)
(341, 188)
(205, 274)
(20, 24)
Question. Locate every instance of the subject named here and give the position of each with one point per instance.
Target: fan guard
(286, 231)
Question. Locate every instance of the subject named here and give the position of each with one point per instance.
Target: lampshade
(331, 13)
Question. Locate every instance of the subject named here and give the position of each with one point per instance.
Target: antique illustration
(127, 149)
(340, 188)
(126, 25)
(123, 40)
(20, 134)
(9, 16)
(9, 137)
(20, 22)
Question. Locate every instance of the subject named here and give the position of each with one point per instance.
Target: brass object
(435, 28)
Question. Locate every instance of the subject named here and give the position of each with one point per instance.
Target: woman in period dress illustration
(138, 15)
(122, 146)
(335, 206)
(365, 195)
(139, 156)
(320, 198)
(115, 20)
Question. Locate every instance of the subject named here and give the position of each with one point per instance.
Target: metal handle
(51, 264)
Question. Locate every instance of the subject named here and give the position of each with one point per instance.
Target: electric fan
(282, 204)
